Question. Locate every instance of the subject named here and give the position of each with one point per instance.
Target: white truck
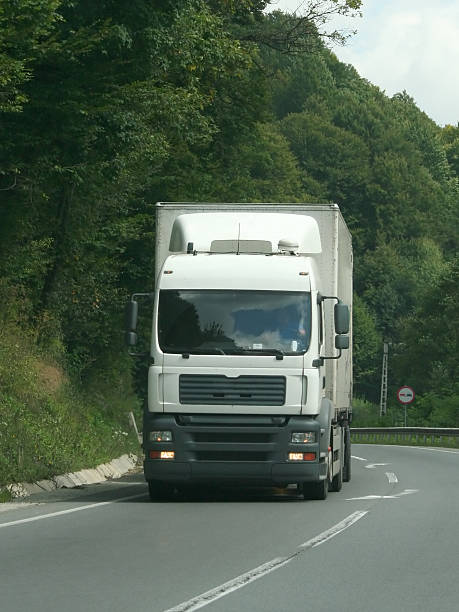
(250, 375)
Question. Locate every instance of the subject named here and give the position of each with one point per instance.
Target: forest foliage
(107, 107)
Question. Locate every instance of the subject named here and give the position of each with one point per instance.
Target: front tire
(315, 490)
(159, 491)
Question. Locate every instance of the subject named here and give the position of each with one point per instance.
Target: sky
(410, 45)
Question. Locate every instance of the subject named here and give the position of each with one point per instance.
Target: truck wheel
(347, 455)
(315, 490)
(337, 481)
(159, 491)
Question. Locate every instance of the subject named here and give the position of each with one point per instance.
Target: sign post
(405, 396)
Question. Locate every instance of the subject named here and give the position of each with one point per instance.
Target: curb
(106, 471)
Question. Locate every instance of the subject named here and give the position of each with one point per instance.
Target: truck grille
(242, 391)
(231, 456)
(238, 437)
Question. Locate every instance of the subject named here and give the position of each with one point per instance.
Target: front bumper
(243, 449)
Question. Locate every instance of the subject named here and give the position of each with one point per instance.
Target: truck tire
(347, 454)
(159, 491)
(315, 490)
(337, 480)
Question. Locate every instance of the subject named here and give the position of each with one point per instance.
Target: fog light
(162, 454)
(160, 436)
(301, 456)
(303, 437)
(295, 456)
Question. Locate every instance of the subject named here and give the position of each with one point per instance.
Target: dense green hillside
(107, 107)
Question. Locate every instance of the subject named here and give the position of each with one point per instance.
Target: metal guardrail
(422, 436)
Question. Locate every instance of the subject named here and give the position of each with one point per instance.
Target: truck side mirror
(342, 342)
(131, 313)
(130, 338)
(130, 321)
(132, 310)
(342, 318)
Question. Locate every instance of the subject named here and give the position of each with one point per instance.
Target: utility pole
(383, 397)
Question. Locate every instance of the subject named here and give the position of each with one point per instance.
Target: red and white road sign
(405, 395)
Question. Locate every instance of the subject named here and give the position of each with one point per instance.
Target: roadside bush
(365, 414)
(48, 424)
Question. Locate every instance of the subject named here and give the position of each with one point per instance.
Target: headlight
(160, 436)
(303, 437)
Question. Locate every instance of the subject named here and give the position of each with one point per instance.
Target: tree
(118, 90)
(25, 29)
(367, 345)
(450, 138)
(299, 32)
(110, 106)
(334, 157)
(431, 337)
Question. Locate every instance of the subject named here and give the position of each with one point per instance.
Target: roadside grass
(429, 411)
(49, 424)
(401, 439)
(5, 496)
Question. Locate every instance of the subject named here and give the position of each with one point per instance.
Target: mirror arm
(321, 298)
(137, 295)
(320, 362)
(143, 354)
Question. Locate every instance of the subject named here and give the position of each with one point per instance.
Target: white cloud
(410, 45)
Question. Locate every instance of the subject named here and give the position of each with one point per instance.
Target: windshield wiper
(214, 350)
(263, 351)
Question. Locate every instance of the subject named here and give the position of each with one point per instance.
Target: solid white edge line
(391, 477)
(262, 570)
(431, 448)
(422, 448)
(40, 517)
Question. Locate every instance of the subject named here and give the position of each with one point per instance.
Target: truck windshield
(234, 322)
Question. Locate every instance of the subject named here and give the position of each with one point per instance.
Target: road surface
(387, 542)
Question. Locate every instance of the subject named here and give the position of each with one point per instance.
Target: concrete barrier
(106, 471)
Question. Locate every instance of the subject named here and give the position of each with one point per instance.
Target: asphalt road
(387, 542)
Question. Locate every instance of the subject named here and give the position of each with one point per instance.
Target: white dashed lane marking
(262, 570)
(396, 496)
